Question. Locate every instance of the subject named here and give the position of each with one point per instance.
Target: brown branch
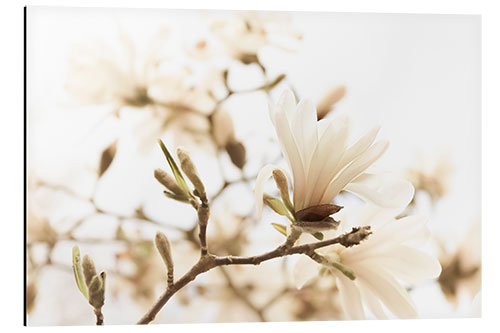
(209, 261)
(99, 317)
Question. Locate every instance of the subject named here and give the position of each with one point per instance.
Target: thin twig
(209, 261)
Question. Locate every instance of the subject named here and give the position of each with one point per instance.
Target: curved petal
(371, 300)
(409, 264)
(388, 290)
(292, 155)
(326, 157)
(359, 147)
(359, 165)
(350, 297)
(304, 128)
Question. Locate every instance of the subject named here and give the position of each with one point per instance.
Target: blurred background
(104, 84)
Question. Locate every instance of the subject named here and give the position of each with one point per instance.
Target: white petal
(371, 300)
(304, 270)
(304, 129)
(410, 265)
(326, 157)
(360, 146)
(286, 102)
(359, 165)
(350, 297)
(264, 174)
(387, 289)
(292, 155)
(394, 193)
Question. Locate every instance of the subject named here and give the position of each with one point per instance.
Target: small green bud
(78, 272)
(280, 228)
(175, 170)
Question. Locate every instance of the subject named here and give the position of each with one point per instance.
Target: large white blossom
(382, 265)
(320, 159)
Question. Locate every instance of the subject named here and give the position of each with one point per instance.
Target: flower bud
(329, 100)
(96, 290)
(164, 178)
(190, 171)
(222, 128)
(282, 184)
(163, 247)
(88, 269)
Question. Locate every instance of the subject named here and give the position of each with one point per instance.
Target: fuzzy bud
(164, 178)
(96, 290)
(282, 184)
(190, 171)
(88, 269)
(163, 247)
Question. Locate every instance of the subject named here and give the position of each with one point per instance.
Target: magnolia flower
(321, 162)
(371, 273)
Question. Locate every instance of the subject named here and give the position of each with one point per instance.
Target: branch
(209, 261)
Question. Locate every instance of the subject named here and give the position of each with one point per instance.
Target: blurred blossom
(432, 176)
(99, 73)
(461, 274)
(328, 101)
(322, 165)
(378, 264)
(244, 34)
(148, 271)
(226, 234)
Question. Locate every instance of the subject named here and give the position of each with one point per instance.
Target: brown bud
(88, 269)
(237, 153)
(107, 157)
(317, 213)
(329, 100)
(96, 290)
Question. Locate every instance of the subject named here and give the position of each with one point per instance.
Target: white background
(488, 160)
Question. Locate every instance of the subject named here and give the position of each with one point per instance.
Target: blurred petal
(305, 269)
